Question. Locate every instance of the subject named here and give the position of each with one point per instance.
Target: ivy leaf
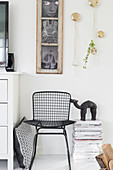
(91, 45)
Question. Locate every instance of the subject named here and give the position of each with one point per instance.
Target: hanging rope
(75, 47)
(94, 20)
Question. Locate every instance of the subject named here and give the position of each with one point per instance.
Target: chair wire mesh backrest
(51, 106)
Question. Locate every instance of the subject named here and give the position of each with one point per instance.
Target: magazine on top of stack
(87, 139)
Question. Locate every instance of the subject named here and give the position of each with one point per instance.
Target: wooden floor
(53, 162)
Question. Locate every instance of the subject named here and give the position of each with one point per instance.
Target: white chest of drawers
(9, 114)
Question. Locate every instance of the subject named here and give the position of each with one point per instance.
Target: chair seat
(49, 124)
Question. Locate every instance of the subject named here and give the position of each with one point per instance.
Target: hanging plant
(91, 50)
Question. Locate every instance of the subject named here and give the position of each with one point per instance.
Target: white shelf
(4, 156)
(5, 125)
(3, 102)
(10, 73)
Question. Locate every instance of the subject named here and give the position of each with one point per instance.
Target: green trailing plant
(90, 47)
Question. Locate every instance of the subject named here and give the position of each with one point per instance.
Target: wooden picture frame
(49, 37)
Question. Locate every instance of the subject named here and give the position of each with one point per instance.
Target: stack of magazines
(87, 139)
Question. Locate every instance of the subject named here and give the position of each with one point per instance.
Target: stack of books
(87, 139)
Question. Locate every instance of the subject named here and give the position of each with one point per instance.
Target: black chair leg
(35, 146)
(65, 134)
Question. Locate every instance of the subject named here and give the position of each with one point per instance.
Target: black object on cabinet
(10, 66)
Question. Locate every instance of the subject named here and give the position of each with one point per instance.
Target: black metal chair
(51, 111)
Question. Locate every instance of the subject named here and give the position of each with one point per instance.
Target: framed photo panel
(49, 36)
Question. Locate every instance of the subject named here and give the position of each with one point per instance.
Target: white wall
(95, 83)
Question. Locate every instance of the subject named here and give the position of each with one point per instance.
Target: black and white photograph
(49, 31)
(49, 57)
(49, 36)
(50, 8)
